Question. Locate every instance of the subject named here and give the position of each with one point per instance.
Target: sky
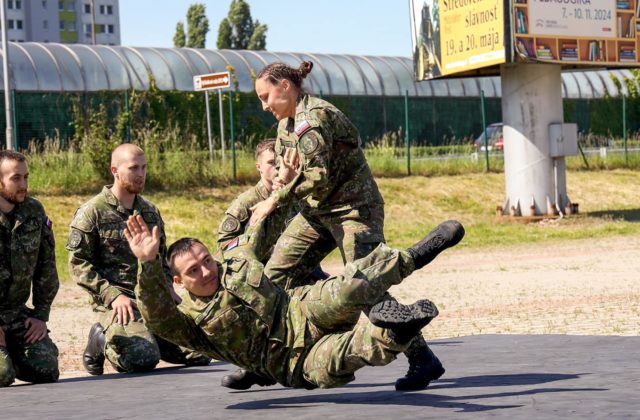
(361, 27)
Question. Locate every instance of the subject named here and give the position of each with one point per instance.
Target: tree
(180, 38)
(258, 39)
(197, 26)
(238, 31)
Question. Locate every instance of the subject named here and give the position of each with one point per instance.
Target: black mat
(503, 376)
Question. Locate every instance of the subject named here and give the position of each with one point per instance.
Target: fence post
(484, 125)
(231, 136)
(624, 128)
(406, 130)
(127, 131)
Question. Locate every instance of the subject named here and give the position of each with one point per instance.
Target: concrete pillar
(531, 100)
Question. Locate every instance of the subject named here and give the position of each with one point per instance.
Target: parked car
(496, 139)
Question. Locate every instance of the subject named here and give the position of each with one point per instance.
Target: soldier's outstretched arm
(154, 299)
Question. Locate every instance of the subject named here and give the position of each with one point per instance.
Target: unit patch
(74, 239)
(230, 225)
(309, 143)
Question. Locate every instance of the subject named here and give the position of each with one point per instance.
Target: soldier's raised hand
(143, 243)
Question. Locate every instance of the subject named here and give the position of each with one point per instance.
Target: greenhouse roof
(50, 67)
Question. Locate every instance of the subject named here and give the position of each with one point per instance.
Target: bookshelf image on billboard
(577, 49)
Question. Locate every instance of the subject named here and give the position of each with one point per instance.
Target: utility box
(563, 139)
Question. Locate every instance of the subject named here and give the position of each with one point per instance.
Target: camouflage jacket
(236, 218)
(334, 173)
(100, 259)
(249, 322)
(27, 262)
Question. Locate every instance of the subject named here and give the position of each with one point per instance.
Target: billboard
(456, 36)
(576, 33)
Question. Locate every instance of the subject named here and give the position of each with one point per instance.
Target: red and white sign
(212, 81)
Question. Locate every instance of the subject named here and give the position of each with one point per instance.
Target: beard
(12, 198)
(131, 187)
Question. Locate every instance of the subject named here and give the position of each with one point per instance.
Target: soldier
(101, 262)
(300, 338)
(27, 263)
(341, 204)
(236, 221)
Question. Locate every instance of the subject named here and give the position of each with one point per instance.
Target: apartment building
(66, 21)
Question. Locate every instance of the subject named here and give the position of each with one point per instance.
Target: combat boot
(243, 379)
(403, 321)
(93, 357)
(424, 367)
(444, 236)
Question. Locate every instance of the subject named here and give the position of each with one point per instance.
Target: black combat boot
(424, 367)
(243, 379)
(93, 357)
(444, 236)
(403, 321)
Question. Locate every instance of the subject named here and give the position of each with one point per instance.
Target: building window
(71, 25)
(87, 9)
(87, 29)
(45, 24)
(102, 9)
(18, 4)
(18, 24)
(44, 4)
(109, 10)
(11, 24)
(60, 5)
(71, 5)
(62, 25)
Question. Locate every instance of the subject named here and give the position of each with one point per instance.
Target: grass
(413, 205)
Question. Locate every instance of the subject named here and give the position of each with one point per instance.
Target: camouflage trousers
(36, 362)
(307, 239)
(338, 346)
(134, 348)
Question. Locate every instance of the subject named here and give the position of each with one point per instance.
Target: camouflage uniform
(340, 200)
(341, 204)
(236, 218)
(27, 262)
(300, 337)
(101, 262)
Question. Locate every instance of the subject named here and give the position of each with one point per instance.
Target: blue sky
(366, 27)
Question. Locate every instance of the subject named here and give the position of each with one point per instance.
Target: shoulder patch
(302, 128)
(230, 224)
(74, 239)
(232, 244)
(309, 144)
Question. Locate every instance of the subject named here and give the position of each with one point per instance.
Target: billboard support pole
(221, 125)
(624, 128)
(231, 137)
(7, 79)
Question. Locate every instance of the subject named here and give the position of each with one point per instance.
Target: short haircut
(180, 247)
(266, 144)
(12, 155)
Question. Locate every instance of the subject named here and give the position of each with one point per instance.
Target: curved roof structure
(50, 67)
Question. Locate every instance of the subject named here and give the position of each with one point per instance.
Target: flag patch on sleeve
(232, 244)
(302, 127)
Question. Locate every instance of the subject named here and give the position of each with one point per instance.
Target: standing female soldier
(341, 204)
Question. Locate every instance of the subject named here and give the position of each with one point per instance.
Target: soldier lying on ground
(236, 221)
(101, 262)
(27, 262)
(297, 337)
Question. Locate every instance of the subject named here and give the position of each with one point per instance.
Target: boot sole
(391, 314)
